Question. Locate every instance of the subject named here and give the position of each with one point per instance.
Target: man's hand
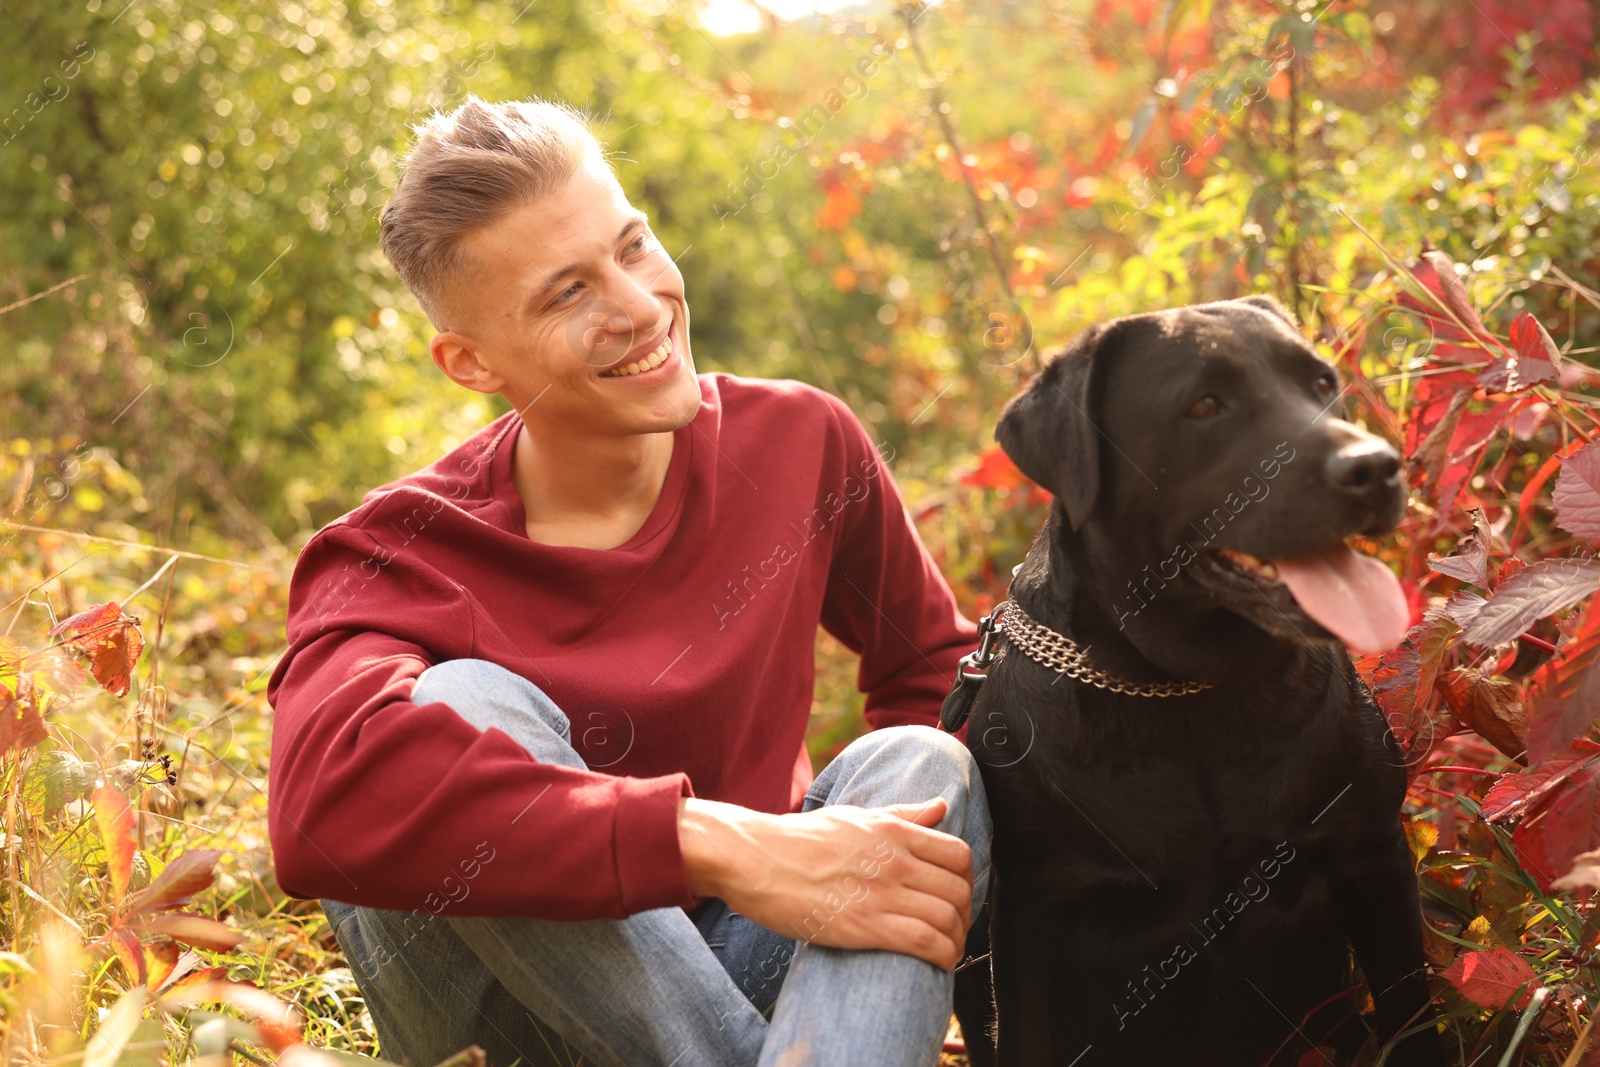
(840, 876)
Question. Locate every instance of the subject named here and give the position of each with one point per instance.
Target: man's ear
(1048, 429)
(1270, 304)
(456, 355)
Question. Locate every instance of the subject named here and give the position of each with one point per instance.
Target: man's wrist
(703, 830)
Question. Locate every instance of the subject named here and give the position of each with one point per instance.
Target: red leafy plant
(1494, 694)
(156, 932)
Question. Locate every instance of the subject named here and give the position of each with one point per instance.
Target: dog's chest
(1167, 818)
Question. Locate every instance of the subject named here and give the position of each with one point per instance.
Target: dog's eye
(1327, 386)
(1204, 408)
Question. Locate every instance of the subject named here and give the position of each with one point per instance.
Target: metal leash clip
(970, 674)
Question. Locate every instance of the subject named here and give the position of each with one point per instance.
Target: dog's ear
(1048, 429)
(1270, 304)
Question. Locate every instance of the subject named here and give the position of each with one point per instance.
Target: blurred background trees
(214, 173)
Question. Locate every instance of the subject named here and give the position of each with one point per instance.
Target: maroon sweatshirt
(683, 656)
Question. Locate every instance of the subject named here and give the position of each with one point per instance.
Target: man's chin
(672, 404)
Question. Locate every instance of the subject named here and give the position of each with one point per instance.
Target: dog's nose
(1367, 470)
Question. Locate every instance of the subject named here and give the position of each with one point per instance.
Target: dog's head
(1202, 463)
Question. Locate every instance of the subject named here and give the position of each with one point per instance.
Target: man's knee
(486, 694)
(922, 754)
(910, 764)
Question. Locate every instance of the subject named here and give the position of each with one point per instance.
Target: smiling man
(539, 733)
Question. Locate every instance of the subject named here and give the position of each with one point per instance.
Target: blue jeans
(660, 988)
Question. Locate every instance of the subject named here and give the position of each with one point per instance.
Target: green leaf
(54, 780)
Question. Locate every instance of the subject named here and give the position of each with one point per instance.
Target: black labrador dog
(1196, 801)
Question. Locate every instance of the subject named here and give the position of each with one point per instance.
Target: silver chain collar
(1063, 655)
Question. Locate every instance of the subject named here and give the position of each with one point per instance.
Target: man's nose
(627, 309)
(611, 328)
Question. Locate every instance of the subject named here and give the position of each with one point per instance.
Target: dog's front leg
(1383, 919)
(1022, 973)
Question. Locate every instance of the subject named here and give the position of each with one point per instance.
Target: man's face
(566, 293)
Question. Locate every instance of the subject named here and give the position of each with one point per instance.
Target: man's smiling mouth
(647, 362)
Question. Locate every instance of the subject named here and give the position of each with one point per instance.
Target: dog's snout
(1367, 470)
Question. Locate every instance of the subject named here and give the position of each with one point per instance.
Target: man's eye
(640, 243)
(569, 291)
(1204, 408)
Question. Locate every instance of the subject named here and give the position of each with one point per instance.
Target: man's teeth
(644, 363)
(1251, 563)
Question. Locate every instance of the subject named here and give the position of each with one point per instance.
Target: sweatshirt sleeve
(377, 801)
(886, 598)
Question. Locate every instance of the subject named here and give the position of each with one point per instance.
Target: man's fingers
(937, 847)
(924, 814)
(936, 911)
(938, 882)
(915, 937)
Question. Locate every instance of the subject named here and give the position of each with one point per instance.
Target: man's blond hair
(469, 168)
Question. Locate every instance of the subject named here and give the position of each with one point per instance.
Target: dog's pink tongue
(1354, 597)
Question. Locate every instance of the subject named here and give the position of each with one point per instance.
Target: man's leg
(430, 996)
(754, 957)
(880, 1009)
(644, 990)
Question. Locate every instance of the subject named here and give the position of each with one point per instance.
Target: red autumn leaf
(1451, 480)
(125, 943)
(279, 1024)
(1438, 396)
(1515, 373)
(116, 831)
(1402, 679)
(1537, 590)
(188, 963)
(180, 880)
(1463, 606)
(993, 471)
(1470, 561)
(108, 642)
(1492, 709)
(1549, 841)
(1516, 794)
(1577, 493)
(1477, 428)
(1564, 694)
(160, 961)
(1446, 284)
(21, 720)
(1431, 452)
(1447, 458)
(1529, 338)
(996, 471)
(278, 1037)
(195, 930)
(184, 988)
(842, 205)
(1490, 977)
(1534, 358)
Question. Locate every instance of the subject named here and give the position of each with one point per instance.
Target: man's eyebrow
(639, 219)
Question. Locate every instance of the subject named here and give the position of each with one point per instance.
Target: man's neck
(589, 492)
